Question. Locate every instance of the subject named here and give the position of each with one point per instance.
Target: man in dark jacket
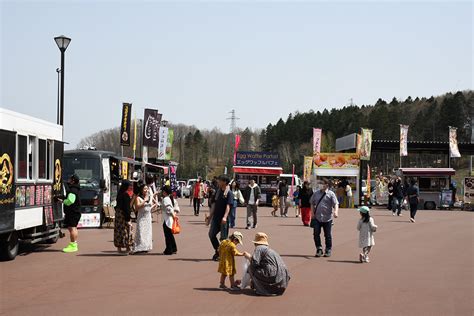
(72, 211)
(252, 199)
(397, 197)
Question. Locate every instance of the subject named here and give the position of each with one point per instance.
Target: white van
(288, 177)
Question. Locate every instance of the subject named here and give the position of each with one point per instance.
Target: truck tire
(9, 247)
(430, 205)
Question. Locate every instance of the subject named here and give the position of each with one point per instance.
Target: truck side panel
(7, 180)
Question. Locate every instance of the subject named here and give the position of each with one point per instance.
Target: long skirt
(123, 236)
(143, 236)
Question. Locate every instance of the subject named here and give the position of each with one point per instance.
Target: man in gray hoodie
(252, 199)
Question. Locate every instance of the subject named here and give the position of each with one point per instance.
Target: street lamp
(62, 42)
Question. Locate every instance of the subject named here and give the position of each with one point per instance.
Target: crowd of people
(267, 272)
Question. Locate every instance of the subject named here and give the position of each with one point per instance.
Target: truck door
(106, 172)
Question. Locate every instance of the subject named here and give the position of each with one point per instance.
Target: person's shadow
(345, 261)
(248, 292)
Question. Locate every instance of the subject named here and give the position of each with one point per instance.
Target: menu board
(20, 197)
(469, 190)
(47, 194)
(48, 215)
(39, 195)
(32, 194)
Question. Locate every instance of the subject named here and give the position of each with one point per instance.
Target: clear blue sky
(196, 61)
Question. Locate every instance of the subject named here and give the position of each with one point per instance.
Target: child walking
(296, 199)
(275, 204)
(366, 228)
(227, 252)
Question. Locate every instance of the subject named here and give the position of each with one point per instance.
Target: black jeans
(413, 209)
(327, 226)
(397, 205)
(197, 205)
(169, 240)
(216, 228)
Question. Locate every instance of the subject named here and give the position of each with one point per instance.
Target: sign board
(89, 220)
(336, 161)
(257, 159)
(347, 142)
(469, 190)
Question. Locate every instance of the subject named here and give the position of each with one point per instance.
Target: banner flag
(163, 140)
(169, 144)
(151, 124)
(236, 148)
(366, 144)
(317, 135)
(403, 140)
(308, 168)
(453, 143)
(125, 125)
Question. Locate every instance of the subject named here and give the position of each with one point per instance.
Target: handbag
(176, 228)
(313, 220)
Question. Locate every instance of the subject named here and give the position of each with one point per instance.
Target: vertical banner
(317, 134)
(58, 149)
(135, 140)
(308, 168)
(125, 125)
(173, 179)
(7, 183)
(151, 124)
(358, 144)
(403, 140)
(369, 189)
(163, 139)
(453, 143)
(124, 170)
(366, 144)
(292, 182)
(236, 147)
(169, 144)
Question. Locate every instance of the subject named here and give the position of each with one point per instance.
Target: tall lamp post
(62, 42)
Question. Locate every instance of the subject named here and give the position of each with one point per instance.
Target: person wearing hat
(366, 228)
(219, 212)
(227, 252)
(72, 211)
(268, 272)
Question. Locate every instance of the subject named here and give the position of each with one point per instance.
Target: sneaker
(412, 220)
(328, 253)
(72, 247)
(361, 257)
(248, 227)
(400, 214)
(319, 253)
(254, 226)
(215, 257)
(367, 259)
(223, 287)
(286, 215)
(393, 213)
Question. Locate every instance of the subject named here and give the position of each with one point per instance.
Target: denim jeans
(252, 214)
(326, 226)
(397, 205)
(233, 214)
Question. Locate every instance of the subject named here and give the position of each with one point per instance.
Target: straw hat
(261, 239)
(238, 236)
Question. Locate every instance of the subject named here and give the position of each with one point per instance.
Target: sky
(195, 61)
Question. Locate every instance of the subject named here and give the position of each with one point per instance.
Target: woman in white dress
(143, 237)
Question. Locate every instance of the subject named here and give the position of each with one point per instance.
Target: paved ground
(417, 269)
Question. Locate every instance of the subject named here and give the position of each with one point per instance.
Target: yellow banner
(308, 168)
(336, 161)
(124, 170)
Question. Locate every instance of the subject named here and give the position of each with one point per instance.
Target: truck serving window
(22, 157)
(42, 161)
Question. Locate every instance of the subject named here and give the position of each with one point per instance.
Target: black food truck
(30, 177)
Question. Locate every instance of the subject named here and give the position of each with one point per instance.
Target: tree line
(209, 152)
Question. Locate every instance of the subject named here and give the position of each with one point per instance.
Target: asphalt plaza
(424, 268)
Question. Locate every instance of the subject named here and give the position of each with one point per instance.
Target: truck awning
(258, 170)
(431, 172)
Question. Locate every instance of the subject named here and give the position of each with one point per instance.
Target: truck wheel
(430, 205)
(9, 247)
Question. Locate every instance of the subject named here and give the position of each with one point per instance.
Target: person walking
(283, 195)
(170, 208)
(123, 237)
(325, 207)
(390, 188)
(305, 203)
(252, 200)
(198, 195)
(413, 194)
(72, 212)
(296, 200)
(219, 213)
(143, 235)
(238, 198)
(350, 201)
(397, 197)
(366, 227)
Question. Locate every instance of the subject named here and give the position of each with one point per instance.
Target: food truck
(433, 184)
(339, 166)
(30, 178)
(100, 173)
(264, 167)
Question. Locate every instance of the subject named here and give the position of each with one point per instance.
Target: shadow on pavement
(298, 256)
(294, 225)
(345, 261)
(208, 289)
(102, 255)
(191, 260)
